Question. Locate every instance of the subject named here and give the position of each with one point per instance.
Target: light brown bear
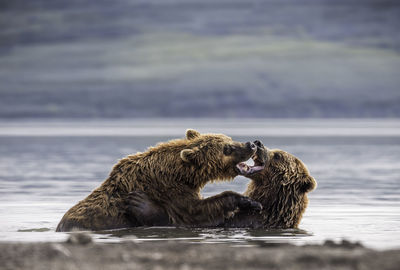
(281, 188)
(171, 174)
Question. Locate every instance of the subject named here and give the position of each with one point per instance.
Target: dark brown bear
(171, 174)
(281, 188)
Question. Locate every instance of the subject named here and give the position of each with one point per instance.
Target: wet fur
(281, 188)
(171, 174)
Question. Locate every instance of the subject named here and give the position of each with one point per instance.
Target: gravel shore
(81, 253)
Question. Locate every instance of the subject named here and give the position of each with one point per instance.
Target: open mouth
(245, 169)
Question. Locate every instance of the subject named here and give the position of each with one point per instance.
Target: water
(46, 167)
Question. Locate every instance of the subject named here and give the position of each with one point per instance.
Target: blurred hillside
(199, 58)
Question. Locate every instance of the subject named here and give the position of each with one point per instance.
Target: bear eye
(277, 156)
(227, 150)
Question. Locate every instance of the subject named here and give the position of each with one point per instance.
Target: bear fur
(281, 188)
(171, 175)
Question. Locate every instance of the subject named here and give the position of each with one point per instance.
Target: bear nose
(258, 143)
(251, 145)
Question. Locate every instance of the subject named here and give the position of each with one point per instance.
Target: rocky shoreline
(79, 252)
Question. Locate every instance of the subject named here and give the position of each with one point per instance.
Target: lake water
(48, 166)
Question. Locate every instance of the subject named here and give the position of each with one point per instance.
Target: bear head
(217, 155)
(280, 168)
(281, 187)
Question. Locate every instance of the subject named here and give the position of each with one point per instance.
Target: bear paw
(245, 203)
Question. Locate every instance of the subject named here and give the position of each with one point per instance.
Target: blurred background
(86, 82)
(199, 58)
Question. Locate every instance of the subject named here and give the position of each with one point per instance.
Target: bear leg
(141, 211)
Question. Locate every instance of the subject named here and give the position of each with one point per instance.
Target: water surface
(47, 166)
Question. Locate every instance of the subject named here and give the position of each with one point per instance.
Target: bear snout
(251, 146)
(258, 144)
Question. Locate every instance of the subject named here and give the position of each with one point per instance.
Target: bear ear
(308, 184)
(190, 156)
(192, 134)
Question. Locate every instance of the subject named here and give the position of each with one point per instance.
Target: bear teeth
(245, 169)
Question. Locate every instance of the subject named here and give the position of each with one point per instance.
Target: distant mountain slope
(304, 58)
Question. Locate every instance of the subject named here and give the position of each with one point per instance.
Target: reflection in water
(204, 235)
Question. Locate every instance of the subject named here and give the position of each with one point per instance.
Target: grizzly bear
(281, 188)
(171, 174)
